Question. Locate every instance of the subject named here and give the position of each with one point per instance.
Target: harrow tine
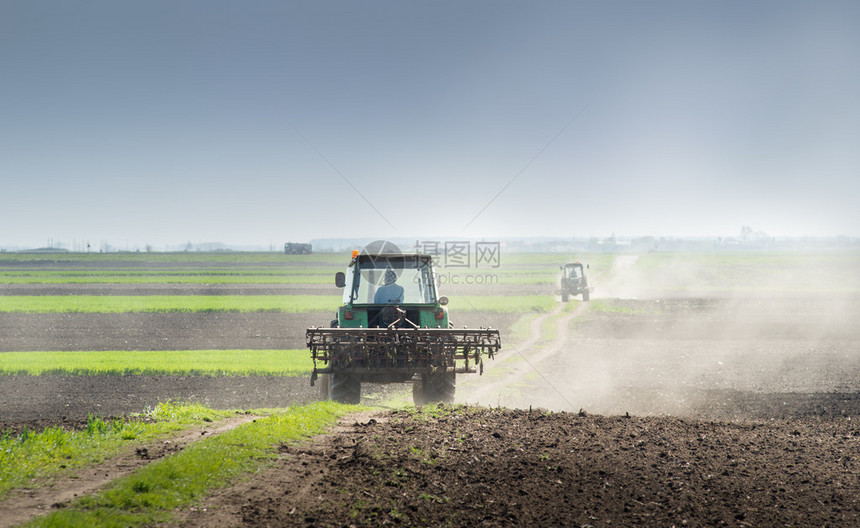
(442, 346)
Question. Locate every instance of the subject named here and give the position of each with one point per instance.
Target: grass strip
(571, 305)
(201, 258)
(158, 272)
(549, 328)
(150, 494)
(29, 456)
(207, 276)
(186, 275)
(150, 362)
(240, 303)
(166, 303)
(521, 328)
(166, 279)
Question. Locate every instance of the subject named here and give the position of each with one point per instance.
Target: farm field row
(313, 269)
(183, 330)
(650, 274)
(296, 362)
(236, 303)
(96, 271)
(149, 278)
(182, 259)
(493, 278)
(164, 303)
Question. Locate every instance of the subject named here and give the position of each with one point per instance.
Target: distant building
(294, 248)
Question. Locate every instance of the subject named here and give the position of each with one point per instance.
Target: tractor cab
(573, 271)
(382, 290)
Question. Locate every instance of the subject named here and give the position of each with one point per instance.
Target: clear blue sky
(258, 122)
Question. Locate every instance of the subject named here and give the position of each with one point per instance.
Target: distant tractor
(294, 248)
(574, 282)
(393, 328)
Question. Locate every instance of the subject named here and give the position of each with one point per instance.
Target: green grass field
(29, 456)
(148, 362)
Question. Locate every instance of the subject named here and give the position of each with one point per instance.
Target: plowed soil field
(642, 412)
(488, 467)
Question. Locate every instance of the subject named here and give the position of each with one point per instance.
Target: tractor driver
(391, 293)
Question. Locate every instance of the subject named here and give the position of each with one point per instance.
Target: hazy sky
(261, 122)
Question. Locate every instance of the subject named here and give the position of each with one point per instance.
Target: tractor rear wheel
(324, 381)
(344, 387)
(443, 386)
(564, 296)
(585, 295)
(438, 387)
(418, 392)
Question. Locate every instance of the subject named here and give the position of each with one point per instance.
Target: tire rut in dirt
(57, 398)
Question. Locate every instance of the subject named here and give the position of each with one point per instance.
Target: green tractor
(574, 282)
(393, 327)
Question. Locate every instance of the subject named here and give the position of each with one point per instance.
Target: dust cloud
(739, 337)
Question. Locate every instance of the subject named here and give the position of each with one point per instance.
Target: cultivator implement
(401, 349)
